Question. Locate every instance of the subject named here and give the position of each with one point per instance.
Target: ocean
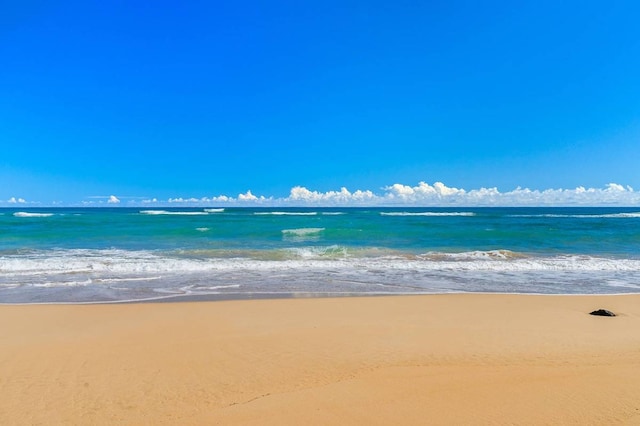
(88, 255)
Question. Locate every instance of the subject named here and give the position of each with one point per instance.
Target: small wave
(209, 288)
(63, 284)
(619, 283)
(214, 210)
(121, 280)
(76, 265)
(167, 212)
(203, 229)
(427, 214)
(286, 213)
(193, 289)
(318, 253)
(625, 215)
(332, 213)
(302, 231)
(28, 214)
(472, 255)
(583, 216)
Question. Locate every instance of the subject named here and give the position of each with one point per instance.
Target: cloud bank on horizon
(422, 194)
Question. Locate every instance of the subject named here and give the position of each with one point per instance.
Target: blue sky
(162, 100)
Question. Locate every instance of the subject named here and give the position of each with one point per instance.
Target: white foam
(472, 255)
(51, 284)
(317, 253)
(324, 265)
(332, 213)
(303, 231)
(622, 215)
(167, 212)
(584, 216)
(209, 288)
(9, 286)
(30, 214)
(624, 284)
(427, 214)
(214, 210)
(203, 229)
(130, 279)
(286, 213)
(505, 261)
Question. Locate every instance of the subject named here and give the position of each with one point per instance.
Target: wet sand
(437, 359)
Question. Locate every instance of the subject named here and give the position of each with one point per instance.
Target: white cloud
(247, 197)
(421, 194)
(300, 194)
(439, 194)
(185, 200)
(614, 187)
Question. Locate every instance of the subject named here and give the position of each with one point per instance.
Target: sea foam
(472, 255)
(584, 216)
(286, 213)
(107, 275)
(427, 214)
(112, 262)
(173, 213)
(31, 214)
(302, 231)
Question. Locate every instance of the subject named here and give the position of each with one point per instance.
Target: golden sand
(446, 359)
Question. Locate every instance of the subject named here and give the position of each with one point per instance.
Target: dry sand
(449, 359)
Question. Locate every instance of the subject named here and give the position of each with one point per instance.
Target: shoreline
(230, 297)
(442, 359)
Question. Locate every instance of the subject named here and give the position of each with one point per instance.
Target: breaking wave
(427, 214)
(173, 213)
(75, 275)
(286, 213)
(31, 214)
(113, 262)
(584, 216)
(302, 231)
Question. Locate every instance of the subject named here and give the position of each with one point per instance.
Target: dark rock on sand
(603, 313)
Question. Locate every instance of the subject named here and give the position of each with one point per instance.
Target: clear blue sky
(201, 98)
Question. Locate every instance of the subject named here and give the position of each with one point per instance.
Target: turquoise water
(84, 255)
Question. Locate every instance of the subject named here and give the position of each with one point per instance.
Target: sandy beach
(438, 359)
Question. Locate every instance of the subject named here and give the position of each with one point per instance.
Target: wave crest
(472, 255)
(31, 214)
(286, 213)
(174, 213)
(300, 232)
(584, 216)
(435, 214)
